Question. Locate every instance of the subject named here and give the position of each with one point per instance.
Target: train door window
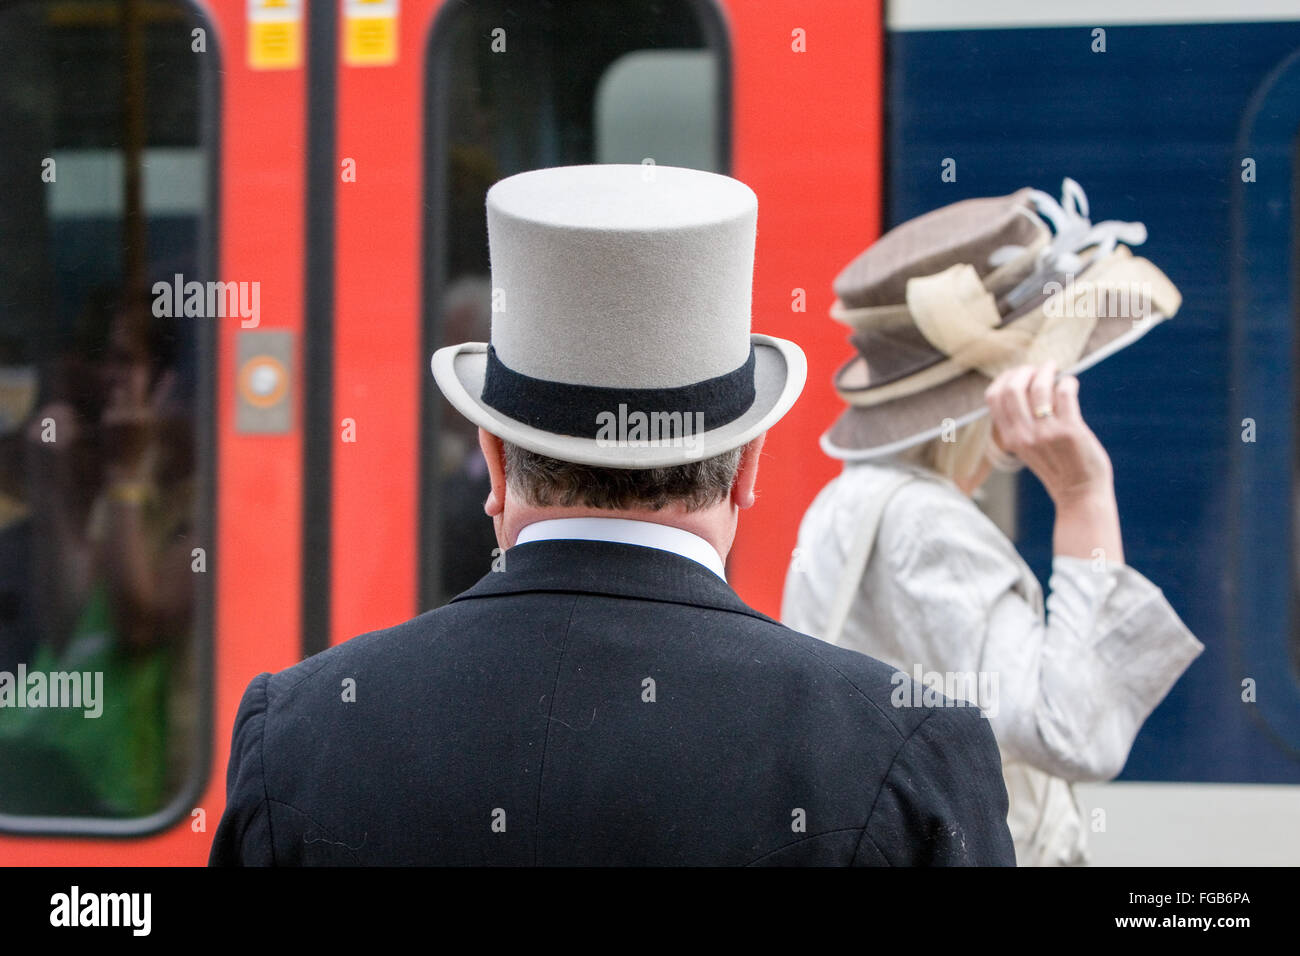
(512, 87)
(105, 412)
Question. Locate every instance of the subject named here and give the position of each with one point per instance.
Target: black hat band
(576, 410)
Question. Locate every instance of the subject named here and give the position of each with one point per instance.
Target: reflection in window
(514, 87)
(106, 191)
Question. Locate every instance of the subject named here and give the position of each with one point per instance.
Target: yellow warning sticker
(274, 34)
(370, 32)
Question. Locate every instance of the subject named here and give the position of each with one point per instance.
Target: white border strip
(1191, 824)
(916, 15)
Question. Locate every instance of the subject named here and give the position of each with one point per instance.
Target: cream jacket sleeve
(945, 589)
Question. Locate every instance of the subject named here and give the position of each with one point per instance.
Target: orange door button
(263, 381)
(264, 360)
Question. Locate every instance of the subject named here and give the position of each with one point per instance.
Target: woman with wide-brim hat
(970, 323)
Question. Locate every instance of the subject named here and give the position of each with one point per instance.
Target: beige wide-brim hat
(621, 298)
(943, 302)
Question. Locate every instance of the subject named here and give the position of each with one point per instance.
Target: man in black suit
(602, 696)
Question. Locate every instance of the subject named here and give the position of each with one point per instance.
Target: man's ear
(742, 489)
(494, 453)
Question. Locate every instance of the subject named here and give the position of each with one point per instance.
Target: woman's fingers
(1058, 447)
(1067, 400)
(1042, 404)
(993, 398)
(1008, 400)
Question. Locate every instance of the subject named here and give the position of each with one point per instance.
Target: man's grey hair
(544, 482)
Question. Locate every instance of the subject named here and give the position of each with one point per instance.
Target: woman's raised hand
(1037, 419)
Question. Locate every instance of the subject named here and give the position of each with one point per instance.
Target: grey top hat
(621, 335)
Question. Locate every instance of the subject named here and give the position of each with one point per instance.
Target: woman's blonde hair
(958, 458)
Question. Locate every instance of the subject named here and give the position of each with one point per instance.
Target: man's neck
(716, 524)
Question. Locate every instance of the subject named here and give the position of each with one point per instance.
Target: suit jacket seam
(881, 789)
(261, 759)
(867, 836)
(546, 736)
(307, 676)
(803, 839)
(324, 829)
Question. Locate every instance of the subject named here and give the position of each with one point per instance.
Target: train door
(508, 88)
(151, 304)
(785, 98)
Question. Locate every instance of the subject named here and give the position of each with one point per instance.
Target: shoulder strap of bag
(859, 554)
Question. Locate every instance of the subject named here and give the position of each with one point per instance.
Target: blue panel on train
(1150, 128)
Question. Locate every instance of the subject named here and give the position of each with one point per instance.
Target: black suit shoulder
(409, 644)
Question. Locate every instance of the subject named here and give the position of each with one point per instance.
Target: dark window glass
(104, 412)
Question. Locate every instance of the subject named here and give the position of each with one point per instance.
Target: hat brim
(780, 370)
(876, 431)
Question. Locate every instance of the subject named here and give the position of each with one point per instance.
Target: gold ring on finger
(1043, 411)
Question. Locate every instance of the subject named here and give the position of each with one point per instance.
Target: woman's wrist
(1087, 526)
(1093, 495)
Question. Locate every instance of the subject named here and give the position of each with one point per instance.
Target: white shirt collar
(647, 534)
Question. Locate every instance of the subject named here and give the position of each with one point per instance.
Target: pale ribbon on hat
(1073, 232)
(952, 313)
(1008, 266)
(957, 314)
(959, 318)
